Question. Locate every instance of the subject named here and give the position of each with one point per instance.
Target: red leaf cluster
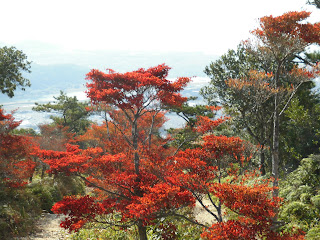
(215, 169)
(135, 89)
(79, 209)
(289, 25)
(16, 164)
(244, 230)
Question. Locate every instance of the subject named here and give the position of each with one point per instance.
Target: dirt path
(48, 228)
(201, 215)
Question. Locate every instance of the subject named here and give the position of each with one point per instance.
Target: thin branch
(210, 198)
(125, 137)
(248, 127)
(127, 115)
(290, 98)
(150, 130)
(190, 220)
(125, 188)
(114, 224)
(183, 117)
(208, 210)
(150, 99)
(101, 188)
(178, 148)
(181, 144)
(304, 60)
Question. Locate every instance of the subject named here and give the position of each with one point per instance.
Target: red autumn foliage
(16, 164)
(54, 137)
(134, 174)
(122, 156)
(289, 25)
(135, 89)
(216, 170)
(77, 207)
(244, 230)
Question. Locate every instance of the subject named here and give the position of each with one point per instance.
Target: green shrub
(93, 232)
(68, 185)
(316, 201)
(300, 191)
(179, 229)
(297, 210)
(51, 190)
(20, 208)
(313, 233)
(44, 194)
(18, 211)
(295, 194)
(305, 197)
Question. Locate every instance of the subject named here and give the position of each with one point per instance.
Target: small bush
(313, 233)
(46, 196)
(70, 185)
(51, 190)
(305, 198)
(93, 232)
(20, 208)
(18, 212)
(297, 210)
(316, 201)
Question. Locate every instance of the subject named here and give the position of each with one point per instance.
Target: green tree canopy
(315, 3)
(301, 195)
(256, 83)
(73, 114)
(248, 112)
(12, 63)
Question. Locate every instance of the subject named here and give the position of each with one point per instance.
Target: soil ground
(48, 228)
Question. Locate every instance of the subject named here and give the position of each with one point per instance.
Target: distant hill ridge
(66, 70)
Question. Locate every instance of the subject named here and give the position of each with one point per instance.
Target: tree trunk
(262, 152)
(135, 146)
(142, 231)
(219, 210)
(275, 135)
(43, 170)
(275, 148)
(262, 162)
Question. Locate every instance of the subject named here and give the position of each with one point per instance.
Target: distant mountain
(61, 76)
(43, 93)
(54, 69)
(48, 80)
(182, 63)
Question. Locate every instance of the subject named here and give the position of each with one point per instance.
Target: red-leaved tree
(281, 39)
(121, 166)
(16, 164)
(138, 178)
(217, 174)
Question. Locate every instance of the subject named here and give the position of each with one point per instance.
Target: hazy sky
(210, 26)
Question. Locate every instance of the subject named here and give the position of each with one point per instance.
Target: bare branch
(101, 188)
(114, 224)
(290, 98)
(125, 137)
(205, 207)
(190, 220)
